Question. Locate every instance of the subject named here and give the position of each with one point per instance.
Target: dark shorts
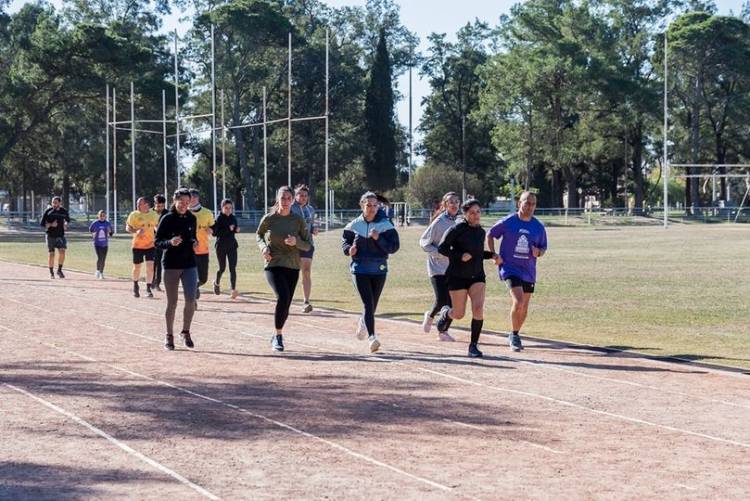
(140, 255)
(56, 243)
(512, 282)
(307, 254)
(459, 284)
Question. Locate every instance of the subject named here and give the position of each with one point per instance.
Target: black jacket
(175, 224)
(61, 216)
(225, 238)
(463, 238)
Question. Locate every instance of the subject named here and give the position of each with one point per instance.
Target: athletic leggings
(442, 297)
(225, 255)
(172, 279)
(157, 265)
(101, 257)
(201, 263)
(369, 287)
(283, 281)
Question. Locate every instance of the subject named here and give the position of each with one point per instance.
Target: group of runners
(178, 238)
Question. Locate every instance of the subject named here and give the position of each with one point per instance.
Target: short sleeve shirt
(518, 237)
(146, 221)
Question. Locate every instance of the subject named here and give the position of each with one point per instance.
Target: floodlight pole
(213, 120)
(326, 139)
(114, 159)
(463, 156)
(665, 161)
(164, 135)
(289, 116)
(265, 154)
(411, 130)
(106, 170)
(132, 138)
(223, 150)
(176, 111)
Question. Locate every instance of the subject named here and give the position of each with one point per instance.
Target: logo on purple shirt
(518, 237)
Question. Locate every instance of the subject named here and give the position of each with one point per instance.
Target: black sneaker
(444, 321)
(277, 343)
(149, 293)
(136, 290)
(169, 343)
(514, 341)
(52, 275)
(217, 289)
(187, 339)
(474, 351)
(60, 274)
(157, 288)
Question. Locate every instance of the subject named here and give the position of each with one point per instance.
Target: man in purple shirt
(524, 240)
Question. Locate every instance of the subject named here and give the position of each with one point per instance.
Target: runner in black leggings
(225, 229)
(368, 240)
(281, 236)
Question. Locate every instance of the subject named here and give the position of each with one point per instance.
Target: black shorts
(140, 255)
(512, 282)
(308, 254)
(459, 284)
(56, 243)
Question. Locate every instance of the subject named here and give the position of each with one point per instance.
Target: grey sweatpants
(172, 279)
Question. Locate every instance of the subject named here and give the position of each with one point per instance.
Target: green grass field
(683, 291)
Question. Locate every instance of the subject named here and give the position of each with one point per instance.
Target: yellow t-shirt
(148, 222)
(205, 220)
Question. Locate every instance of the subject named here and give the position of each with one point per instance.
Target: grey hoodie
(436, 262)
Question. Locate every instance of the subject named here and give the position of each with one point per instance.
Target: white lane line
(687, 487)
(465, 425)
(116, 442)
(256, 415)
(587, 409)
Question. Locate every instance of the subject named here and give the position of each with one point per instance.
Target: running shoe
(374, 343)
(361, 331)
(98, 274)
(235, 294)
(169, 343)
(444, 321)
(277, 342)
(514, 341)
(187, 339)
(149, 293)
(157, 288)
(474, 351)
(306, 308)
(444, 336)
(217, 289)
(52, 275)
(101, 275)
(136, 290)
(427, 322)
(60, 274)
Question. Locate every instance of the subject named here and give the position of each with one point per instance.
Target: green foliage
(431, 181)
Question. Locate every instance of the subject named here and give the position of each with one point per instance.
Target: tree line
(560, 96)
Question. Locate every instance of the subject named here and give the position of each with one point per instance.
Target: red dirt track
(92, 406)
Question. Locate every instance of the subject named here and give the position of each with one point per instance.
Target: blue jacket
(372, 255)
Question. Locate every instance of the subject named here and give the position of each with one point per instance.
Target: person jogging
(225, 228)
(141, 223)
(281, 236)
(55, 220)
(523, 241)
(160, 202)
(302, 208)
(368, 240)
(205, 220)
(176, 236)
(101, 230)
(443, 219)
(463, 245)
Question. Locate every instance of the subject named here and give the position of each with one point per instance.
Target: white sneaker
(374, 343)
(101, 275)
(361, 331)
(97, 274)
(427, 322)
(444, 336)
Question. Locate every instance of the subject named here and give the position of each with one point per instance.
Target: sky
(424, 17)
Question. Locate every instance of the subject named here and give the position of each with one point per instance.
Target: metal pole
(265, 155)
(132, 139)
(213, 120)
(666, 123)
(114, 160)
(164, 135)
(223, 150)
(463, 156)
(411, 130)
(106, 169)
(289, 116)
(176, 111)
(328, 203)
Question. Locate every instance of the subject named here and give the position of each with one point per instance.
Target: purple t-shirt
(515, 248)
(101, 231)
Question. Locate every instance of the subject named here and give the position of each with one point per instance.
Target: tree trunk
(721, 159)
(637, 159)
(694, 147)
(66, 191)
(557, 189)
(571, 183)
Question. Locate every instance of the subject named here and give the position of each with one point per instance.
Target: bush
(431, 181)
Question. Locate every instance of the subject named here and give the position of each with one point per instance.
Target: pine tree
(380, 159)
